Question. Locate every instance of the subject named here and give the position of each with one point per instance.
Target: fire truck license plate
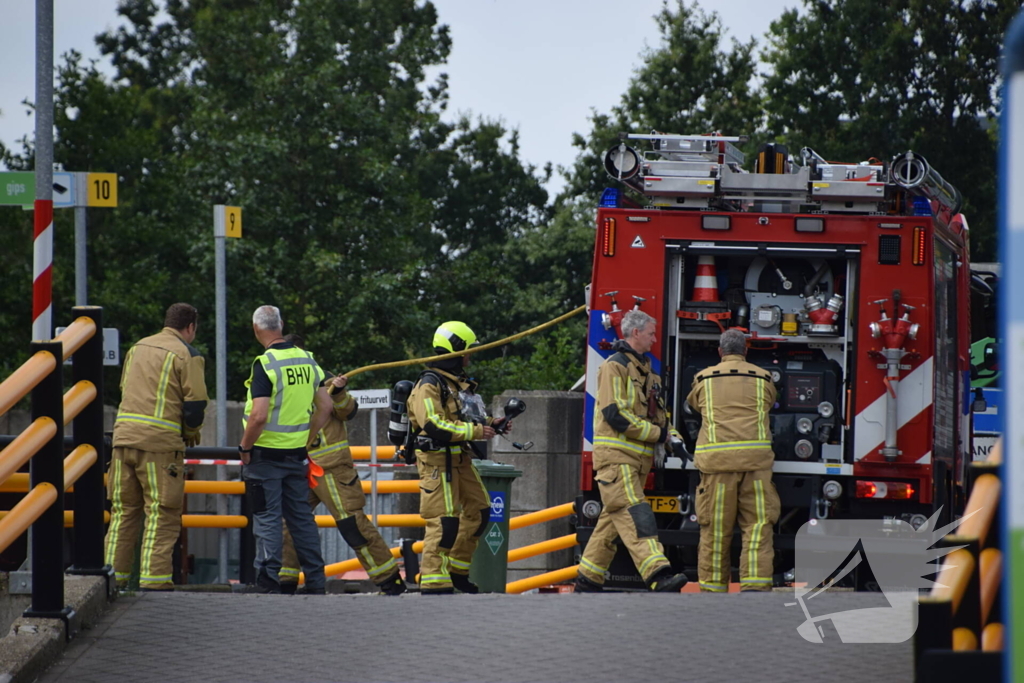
(663, 503)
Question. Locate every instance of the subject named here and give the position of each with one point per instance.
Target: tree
(856, 78)
(368, 220)
(689, 84)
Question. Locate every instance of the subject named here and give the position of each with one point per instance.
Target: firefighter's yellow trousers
(341, 491)
(625, 515)
(456, 513)
(150, 486)
(723, 500)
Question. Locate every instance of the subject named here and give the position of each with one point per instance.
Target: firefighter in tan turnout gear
(163, 397)
(339, 488)
(734, 456)
(630, 423)
(453, 499)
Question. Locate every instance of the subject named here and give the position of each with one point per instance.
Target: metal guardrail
(42, 445)
(962, 611)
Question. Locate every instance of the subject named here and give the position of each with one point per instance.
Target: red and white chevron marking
(42, 270)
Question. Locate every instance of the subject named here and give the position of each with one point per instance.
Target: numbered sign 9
(227, 221)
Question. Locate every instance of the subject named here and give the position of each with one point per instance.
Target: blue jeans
(280, 489)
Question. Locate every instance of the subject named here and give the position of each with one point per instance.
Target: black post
(410, 559)
(48, 466)
(87, 365)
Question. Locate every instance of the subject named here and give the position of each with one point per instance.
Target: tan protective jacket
(441, 421)
(163, 393)
(629, 416)
(332, 449)
(733, 398)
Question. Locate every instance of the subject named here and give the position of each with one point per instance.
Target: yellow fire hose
(474, 349)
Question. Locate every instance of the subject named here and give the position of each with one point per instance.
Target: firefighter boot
(463, 584)
(585, 585)
(304, 589)
(393, 585)
(264, 584)
(665, 582)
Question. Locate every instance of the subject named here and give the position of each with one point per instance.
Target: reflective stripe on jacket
(163, 392)
(627, 427)
(294, 379)
(333, 448)
(440, 420)
(733, 398)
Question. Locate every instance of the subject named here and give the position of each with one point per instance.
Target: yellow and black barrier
(42, 443)
(960, 632)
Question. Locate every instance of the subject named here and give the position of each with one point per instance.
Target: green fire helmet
(453, 336)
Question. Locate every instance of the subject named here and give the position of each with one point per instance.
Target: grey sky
(539, 65)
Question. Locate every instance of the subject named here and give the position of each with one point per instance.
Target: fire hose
(483, 347)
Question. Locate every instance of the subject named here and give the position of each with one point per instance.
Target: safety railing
(960, 634)
(19, 482)
(42, 445)
(518, 522)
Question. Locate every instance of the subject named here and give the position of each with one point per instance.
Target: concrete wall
(551, 469)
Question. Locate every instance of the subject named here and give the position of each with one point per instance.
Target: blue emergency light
(610, 198)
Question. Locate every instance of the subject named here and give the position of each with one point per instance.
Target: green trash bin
(490, 562)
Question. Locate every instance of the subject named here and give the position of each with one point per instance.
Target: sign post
(373, 400)
(70, 190)
(227, 222)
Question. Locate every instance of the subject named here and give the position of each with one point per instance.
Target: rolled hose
(474, 349)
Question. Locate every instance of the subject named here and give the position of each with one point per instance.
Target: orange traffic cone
(705, 285)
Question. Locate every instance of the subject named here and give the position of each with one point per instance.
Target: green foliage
(557, 361)
(368, 219)
(855, 78)
(691, 83)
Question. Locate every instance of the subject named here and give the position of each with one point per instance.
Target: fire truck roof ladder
(705, 172)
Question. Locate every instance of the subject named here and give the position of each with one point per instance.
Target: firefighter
(284, 385)
(453, 499)
(630, 423)
(340, 489)
(163, 399)
(734, 456)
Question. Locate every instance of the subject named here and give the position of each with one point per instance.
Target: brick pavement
(502, 638)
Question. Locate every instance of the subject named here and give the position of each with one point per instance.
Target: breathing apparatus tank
(398, 423)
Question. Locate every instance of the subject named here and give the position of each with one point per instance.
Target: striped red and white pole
(42, 270)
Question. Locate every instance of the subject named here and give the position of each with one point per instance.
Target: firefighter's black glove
(665, 431)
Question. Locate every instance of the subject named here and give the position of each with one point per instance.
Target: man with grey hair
(284, 385)
(734, 456)
(630, 422)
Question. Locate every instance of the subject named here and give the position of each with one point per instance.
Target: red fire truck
(852, 281)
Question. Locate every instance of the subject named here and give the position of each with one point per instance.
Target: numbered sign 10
(101, 189)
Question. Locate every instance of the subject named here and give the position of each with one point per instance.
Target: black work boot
(463, 584)
(393, 585)
(264, 584)
(585, 585)
(289, 587)
(437, 591)
(667, 582)
(304, 589)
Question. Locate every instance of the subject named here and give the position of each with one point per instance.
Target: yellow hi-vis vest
(294, 379)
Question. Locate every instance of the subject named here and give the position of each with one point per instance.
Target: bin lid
(489, 468)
